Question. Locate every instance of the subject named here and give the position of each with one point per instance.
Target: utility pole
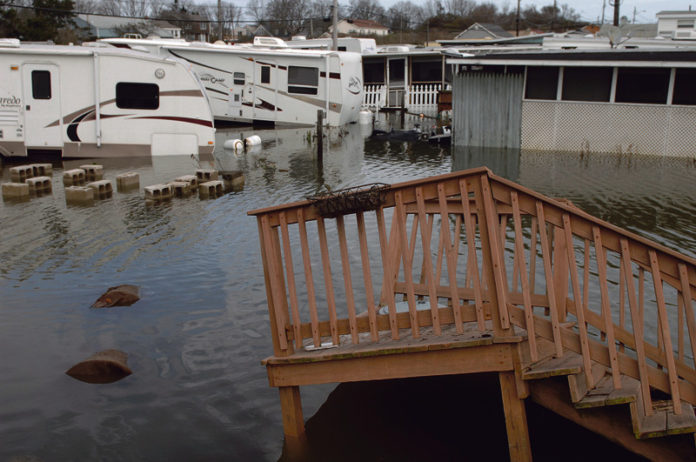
(616, 4)
(334, 33)
(220, 25)
(517, 20)
(604, 6)
(553, 18)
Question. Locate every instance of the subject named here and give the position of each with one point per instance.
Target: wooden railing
(473, 249)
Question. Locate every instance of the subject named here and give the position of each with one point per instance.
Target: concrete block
(39, 185)
(233, 180)
(21, 173)
(102, 189)
(190, 179)
(128, 181)
(204, 175)
(210, 189)
(14, 191)
(41, 169)
(158, 192)
(74, 177)
(181, 188)
(81, 195)
(93, 172)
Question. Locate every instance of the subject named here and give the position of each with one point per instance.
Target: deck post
(560, 271)
(295, 447)
(515, 419)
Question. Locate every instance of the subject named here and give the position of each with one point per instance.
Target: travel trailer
(363, 46)
(99, 101)
(268, 82)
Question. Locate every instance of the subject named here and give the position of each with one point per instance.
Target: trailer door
(42, 118)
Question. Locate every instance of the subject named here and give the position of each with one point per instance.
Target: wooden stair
(663, 422)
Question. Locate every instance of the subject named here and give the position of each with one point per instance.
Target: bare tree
(286, 17)
(255, 10)
(366, 9)
(459, 7)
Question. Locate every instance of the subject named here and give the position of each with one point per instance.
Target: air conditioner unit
(684, 35)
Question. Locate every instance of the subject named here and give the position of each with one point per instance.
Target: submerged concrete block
(103, 367)
(181, 188)
(93, 172)
(102, 189)
(233, 180)
(190, 179)
(14, 191)
(204, 175)
(123, 295)
(158, 192)
(74, 177)
(41, 169)
(210, 189)
(39, 184)
(21, 173)
(81, 195)
(127, 181)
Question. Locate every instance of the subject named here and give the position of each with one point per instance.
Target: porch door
(43, 127)
(396, 81)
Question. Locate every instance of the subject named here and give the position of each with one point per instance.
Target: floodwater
(196, 338)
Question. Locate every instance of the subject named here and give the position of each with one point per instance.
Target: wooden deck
(577, 314)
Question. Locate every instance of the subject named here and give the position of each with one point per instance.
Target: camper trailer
(99, 101)
(267, 81)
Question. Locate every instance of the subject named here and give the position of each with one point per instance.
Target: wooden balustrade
(471, 247)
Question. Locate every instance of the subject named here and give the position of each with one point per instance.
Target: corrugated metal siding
(487, 110)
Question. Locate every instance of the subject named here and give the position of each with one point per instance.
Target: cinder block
(181, 188)
(158, 192)
(14, 191)
(192, 180)
(41, 169)
(128, 181)
(233, 180)
(102, 189)
(74, 177)
(39, 184)
(204, 175)
(21, 173)
(82, 195)
(210, 189)
(93, 172)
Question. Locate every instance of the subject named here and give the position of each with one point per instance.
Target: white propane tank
(365, 117)
(253, 140)
(234, 145)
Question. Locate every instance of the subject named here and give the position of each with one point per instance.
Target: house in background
(360, 27)
(676, 24)
(100, 27)
(247, 33)
(483, 31)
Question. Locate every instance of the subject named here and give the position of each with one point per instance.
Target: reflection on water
(196, 337)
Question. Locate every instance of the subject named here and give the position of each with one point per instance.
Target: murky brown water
(195, 340)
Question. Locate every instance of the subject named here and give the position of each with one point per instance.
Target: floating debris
(123, 295)
(103, 367)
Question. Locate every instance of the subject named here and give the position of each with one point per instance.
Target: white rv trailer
(364, 46)
(267, 82)
(99, 101)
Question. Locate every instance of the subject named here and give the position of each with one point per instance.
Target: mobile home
(81, 101)
(268, 82)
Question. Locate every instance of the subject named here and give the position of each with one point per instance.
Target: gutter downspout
(328, 57)
(97, 98)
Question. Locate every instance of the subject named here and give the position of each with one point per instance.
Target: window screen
(426, 71)
(373, 72)
(587, 83)
(239, 78)
(542, 82)
(303, 80)
(684, 88)
(131, 95)
(265, 74)
(642, 85)
(41, 84)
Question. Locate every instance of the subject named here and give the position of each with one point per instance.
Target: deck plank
(569, 363)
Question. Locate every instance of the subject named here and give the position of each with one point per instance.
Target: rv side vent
(269, 42)
(9, 43)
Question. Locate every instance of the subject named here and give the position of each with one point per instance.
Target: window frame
(299, 85)
(120, 102)
(38, 89)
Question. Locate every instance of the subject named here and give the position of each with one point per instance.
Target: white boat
(99, 101)
(267, 81)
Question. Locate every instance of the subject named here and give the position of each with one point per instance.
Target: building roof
(675, 12)
(483, 31)
(366, 23)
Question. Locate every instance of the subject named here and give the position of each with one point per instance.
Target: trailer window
(239, 78)
(642, 85)
(303, 80)
(132, 95)
(542, 82)
(41, 84)
(587, 83)
(684, 89)
(265, 74)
